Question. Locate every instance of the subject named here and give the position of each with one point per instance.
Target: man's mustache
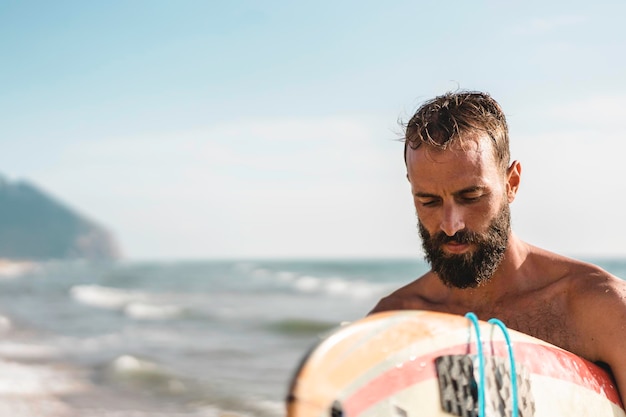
(462, 237)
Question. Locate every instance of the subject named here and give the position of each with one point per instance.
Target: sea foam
(147, 311)
(105, 297)
(21, 379)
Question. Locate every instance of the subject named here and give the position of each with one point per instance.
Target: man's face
(460, 197)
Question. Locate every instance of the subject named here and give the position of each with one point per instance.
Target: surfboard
(428, 364)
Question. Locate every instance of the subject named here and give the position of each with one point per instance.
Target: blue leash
(481, 363)
(511, 361)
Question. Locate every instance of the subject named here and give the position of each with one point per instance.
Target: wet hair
(455, 117)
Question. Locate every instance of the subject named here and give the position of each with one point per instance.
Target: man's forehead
(473, 147)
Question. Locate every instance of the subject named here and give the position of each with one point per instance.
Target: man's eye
(470, 198)
(428, 203)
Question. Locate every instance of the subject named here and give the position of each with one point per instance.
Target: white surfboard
(428, 364)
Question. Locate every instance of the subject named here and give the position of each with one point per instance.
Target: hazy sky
(205, 129)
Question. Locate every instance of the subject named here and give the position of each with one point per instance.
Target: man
(457, 159)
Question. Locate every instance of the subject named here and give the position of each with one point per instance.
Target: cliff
(35, 226)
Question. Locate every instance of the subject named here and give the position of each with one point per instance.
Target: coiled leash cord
(481, 363)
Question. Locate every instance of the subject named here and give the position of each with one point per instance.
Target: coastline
(36, 381)
(33, 380)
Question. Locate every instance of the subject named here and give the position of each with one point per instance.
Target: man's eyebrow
(425, 195)
(471, 189)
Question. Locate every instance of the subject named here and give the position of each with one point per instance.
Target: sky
(270, 129)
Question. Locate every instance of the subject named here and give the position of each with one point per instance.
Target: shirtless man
(462, 181)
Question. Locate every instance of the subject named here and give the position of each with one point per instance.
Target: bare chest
(545, 318)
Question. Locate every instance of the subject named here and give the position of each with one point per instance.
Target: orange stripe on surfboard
(365, 344)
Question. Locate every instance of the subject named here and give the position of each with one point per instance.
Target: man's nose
(452, 220)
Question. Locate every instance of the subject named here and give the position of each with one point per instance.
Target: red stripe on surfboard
(538, 359)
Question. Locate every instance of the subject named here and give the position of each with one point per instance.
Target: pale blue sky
(194, 129)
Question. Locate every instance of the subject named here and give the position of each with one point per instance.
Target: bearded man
(458, 164)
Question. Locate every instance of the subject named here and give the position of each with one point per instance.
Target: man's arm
(599, 313)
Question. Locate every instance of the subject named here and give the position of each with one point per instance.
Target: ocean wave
(334, 281)
(269, 280)
(31, 379)
(105, 297)
(148, 311)
(205, 398)
(5, 324)
(336, 286)
(27, 351)
(128, 364)
(133, 304)
(129, 370)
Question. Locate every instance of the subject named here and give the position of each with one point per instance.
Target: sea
(192, 338)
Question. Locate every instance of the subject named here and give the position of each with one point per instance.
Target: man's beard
(470, 269)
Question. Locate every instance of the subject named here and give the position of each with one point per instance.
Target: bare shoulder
(408, 297)
(589, 288)
(597, 311)
(591, 283)
(574, 276)
(400, 299)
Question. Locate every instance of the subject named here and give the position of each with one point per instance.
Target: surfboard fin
(458, 387)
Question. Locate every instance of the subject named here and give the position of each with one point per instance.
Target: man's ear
(513, 178)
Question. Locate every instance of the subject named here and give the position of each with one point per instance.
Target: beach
(27, 387)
